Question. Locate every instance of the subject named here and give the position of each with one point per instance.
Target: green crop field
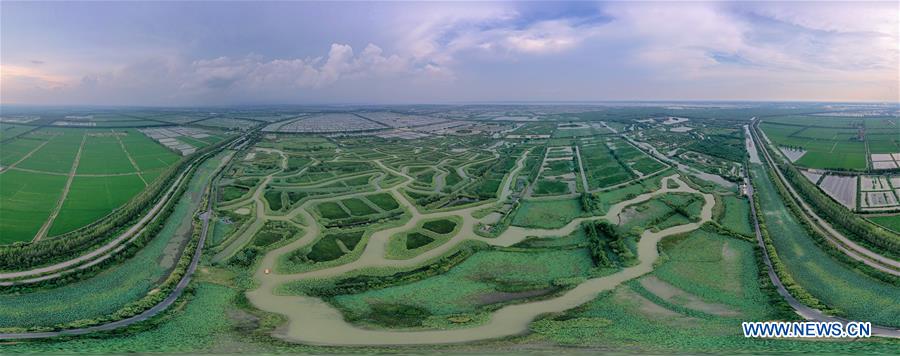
(833, 142)
(93, 197)
(601, 168)
(328, 247)
(103, 155)
(14, 150)
(890, 222)
(27, 199)
(58, 154)
(105, 177)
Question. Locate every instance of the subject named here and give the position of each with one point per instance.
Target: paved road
(800, 308)
(131, 232)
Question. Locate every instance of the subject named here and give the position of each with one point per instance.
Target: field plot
(813, 175)
(16, 149)
(557, 173)
(58, 154)
(613, 161)
(885, 160)
(90, 198)
(834, 142)
(184, 140)
(547, 213)
(602, 168)
(26, 199)
(112, 167)
(841, 188)
(9, 130)
(102, 154)
(148, 155)
(890, 222)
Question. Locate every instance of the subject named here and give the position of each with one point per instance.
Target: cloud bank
(440, 52)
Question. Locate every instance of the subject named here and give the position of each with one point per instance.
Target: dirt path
(331, 329)
(130, 159)
(14, 164)
(260, 206)
(62, 198)
(584, 182)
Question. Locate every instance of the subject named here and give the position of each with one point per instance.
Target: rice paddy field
(833, 142)
(114, 287)
(85, 173)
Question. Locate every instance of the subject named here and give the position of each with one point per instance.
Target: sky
(236, 53)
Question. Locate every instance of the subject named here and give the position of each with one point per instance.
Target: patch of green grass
(273, 198)
(415, 240)
(383, 200)
(547, 214)
(551, 187)
(890, 222)
(623, 321)
(331, 210)
(737, 215)
(443, 226)
(58, 154)
(273, 232)
(358, 207)
(327, 248)
(194, 329)
(231, 192)
(717, 269)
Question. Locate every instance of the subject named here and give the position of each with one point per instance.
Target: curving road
(156, 309)
(109, 246)
(801, 309)
(834, 237)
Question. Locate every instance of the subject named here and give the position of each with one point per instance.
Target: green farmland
(42, 163)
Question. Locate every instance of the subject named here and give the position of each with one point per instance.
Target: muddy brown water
(313, 321)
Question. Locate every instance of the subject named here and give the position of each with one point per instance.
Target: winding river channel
(313, 321)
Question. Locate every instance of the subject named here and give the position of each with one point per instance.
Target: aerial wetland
(446, 228)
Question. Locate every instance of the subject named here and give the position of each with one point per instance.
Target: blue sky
(213, 53)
